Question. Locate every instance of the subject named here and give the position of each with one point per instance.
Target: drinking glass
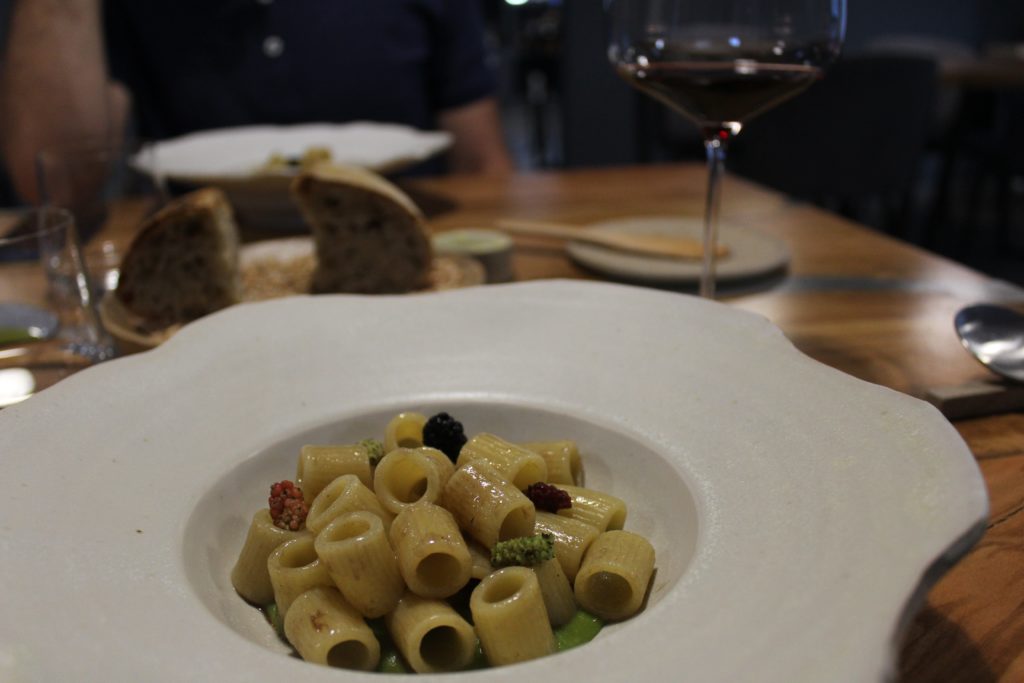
(49, 326)
(101, 180)
(720, 63)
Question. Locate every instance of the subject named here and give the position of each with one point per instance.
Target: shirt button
(273, 46)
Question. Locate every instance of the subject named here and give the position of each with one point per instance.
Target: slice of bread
(370, 237)
(183, 263)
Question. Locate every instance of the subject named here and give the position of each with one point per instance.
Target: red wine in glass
(721, 63)
(713, 93)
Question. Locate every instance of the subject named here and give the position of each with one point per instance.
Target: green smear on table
(16, 335)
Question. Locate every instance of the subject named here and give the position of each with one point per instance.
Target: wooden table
(870, 305)
(993, 72)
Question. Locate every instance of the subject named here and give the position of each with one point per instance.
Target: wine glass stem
(715, 143)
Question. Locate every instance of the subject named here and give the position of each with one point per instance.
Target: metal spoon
(995, 336)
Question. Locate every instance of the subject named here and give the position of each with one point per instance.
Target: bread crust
(183, 262)
(370, 236)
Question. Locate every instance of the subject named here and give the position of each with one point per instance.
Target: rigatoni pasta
(294, 568)
(602, 510)
(432, 555)
(391, 531)
(445, 466)
(562, 459)
(518, 465)
(250, 576)
(556, 591)
(404, 430)
(406, 476)
(613, 579)
(361, 562)
(481, 558)
(327, 630)
(431, 635)
(572, 538)
(345, 494)
(510, 618)
(488, 507)
(320, 465)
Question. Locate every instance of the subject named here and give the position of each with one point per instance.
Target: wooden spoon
(662, 246)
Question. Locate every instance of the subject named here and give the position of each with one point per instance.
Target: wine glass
(720, 63)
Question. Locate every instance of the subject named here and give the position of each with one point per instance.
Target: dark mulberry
(547, 497)
(445, 433)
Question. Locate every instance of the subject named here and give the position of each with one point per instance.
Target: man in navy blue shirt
(198, 64)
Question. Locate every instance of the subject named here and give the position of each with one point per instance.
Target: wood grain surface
(860, 301)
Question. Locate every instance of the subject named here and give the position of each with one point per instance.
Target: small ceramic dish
(255, 165)
(752, 253)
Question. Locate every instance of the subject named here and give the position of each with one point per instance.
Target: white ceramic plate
(233, 159)
(798, 514)
(751, 252)
(239, 153)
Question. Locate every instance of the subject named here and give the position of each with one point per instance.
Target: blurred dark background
(917, 131)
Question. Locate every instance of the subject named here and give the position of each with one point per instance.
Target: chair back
(859, 132)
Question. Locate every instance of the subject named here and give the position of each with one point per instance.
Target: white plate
(232, 159)
(751, 252)
(798, 514)
(239, 153)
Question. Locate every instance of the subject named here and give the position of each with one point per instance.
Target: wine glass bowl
(720, 63)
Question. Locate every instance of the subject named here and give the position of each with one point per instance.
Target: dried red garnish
(288, 509)
(547, 497)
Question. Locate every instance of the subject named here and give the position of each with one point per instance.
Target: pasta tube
(432, 555)
(445, 466)
(404, 430)
(249, 575)
(486, 506)
(408, 475)
(320, 465)
(327, 630)
(562, 458)
(431, 636)
(572, 538)
(481, 560)
(602, 510)
(345, 494)
(613, 579)
(519, 465)
(361, 562)
(294, 568)
(510, 617)
(556, 591)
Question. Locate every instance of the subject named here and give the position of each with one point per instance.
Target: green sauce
(16, 335)
(273, 615)
(391, 662)
(581, 629)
